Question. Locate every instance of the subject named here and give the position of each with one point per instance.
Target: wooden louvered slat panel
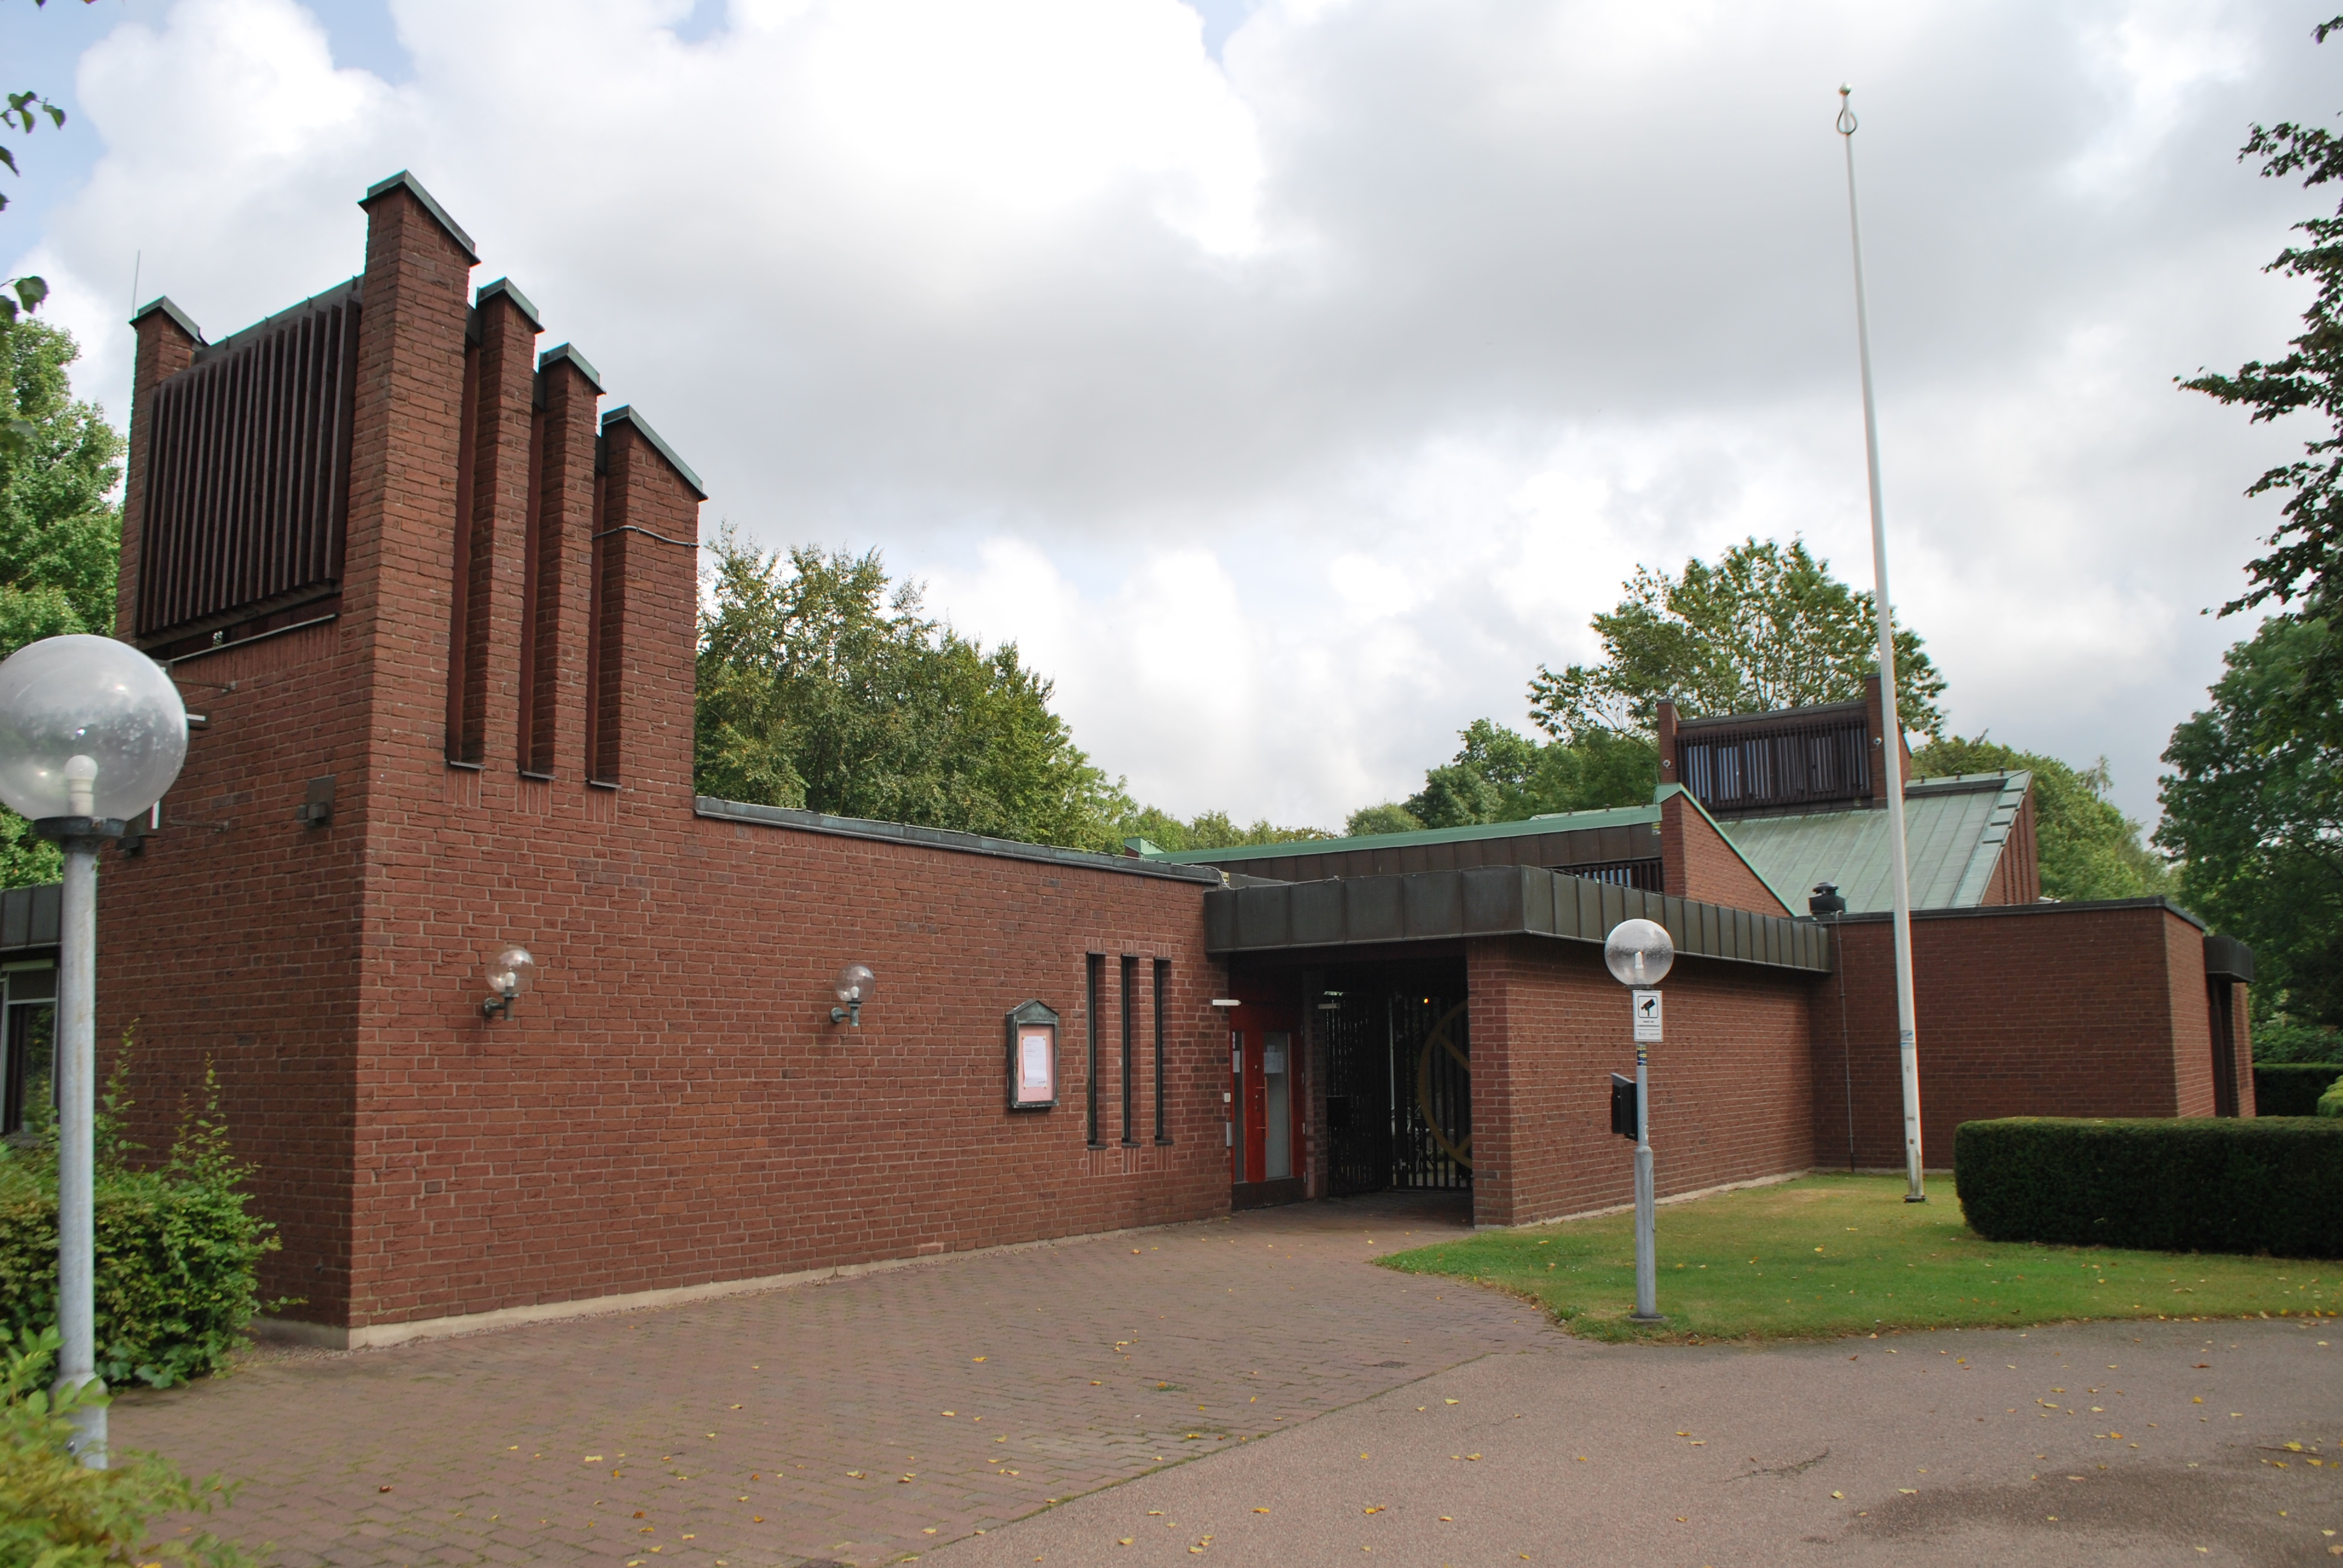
(247, 475)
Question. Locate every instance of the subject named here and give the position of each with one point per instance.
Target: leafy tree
(2253, 807)
(2301, 564)
(1764, 628)
(1387, 818)
(2089, 849)
(1500, 775)
(822, 685)
(60, 535)
(1209, 830)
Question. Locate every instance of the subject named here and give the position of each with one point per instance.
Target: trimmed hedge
(2200, 1184)
(2331, 1102)
(2292, 1088)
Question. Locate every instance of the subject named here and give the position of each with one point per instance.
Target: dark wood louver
(247, 474)
(1809, 756)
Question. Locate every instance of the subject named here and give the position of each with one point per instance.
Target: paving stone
(1000, 1382)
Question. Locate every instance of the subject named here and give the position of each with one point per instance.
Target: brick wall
(2018, 875)
(1696, 863)
(2038, 1010)
(1732, 1087)
(670, 1105)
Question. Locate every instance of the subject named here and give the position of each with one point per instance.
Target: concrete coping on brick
(1993, 911)
(946, 839)
(628, 415)
(569, 351)
(406, 182)
(510, 290)
(162, 302)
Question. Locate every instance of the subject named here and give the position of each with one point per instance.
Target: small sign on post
(1647, 1017)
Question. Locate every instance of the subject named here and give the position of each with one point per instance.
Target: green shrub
(2331, 1102)
(2292, 1088)
(2193, 1185)
(53, 1513)
(177, 1254)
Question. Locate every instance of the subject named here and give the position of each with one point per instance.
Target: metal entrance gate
(1399, 1102)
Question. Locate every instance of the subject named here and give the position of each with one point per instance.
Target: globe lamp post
(92, 732)
(1639, 955)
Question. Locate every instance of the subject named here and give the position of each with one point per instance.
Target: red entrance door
(1265, 1094)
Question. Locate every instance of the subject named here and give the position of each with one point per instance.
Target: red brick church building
(436, 606)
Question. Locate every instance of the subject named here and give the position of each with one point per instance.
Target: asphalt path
(2156, 1442)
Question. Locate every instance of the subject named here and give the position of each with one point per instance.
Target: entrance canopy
(1494, 901)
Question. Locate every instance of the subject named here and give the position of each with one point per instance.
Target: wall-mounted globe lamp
(92, 731)
(508, 972)
(1639, 954)
(853, 987)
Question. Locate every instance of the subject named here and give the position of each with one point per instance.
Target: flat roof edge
(2047, 906)
(945, 839)
(1558, 822)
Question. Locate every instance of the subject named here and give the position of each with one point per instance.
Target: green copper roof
(1558, 822)
(1954, 832)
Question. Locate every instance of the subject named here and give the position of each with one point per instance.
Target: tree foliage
(2089, 849)
(2300, 569)
(2253, 807)
(1207, 830)
(1765, 627)
(821, 684)
(55, 1513)
(60, 535)
(1500, 775)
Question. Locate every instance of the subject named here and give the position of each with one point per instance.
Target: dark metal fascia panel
(2227, 958)
(1432, 906)
(1412, 909)
(1374, 909)
(1315, 914)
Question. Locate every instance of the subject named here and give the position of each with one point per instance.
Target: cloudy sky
(1291, 378)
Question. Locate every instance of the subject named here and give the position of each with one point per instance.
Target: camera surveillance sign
(1647, 1017)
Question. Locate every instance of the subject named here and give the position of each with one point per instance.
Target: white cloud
(1290, 410)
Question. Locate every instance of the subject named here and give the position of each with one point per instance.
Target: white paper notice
(1033, 1061)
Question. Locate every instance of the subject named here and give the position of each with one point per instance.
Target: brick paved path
(860, 1419)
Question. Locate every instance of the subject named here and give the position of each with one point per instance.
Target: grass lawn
(1825, 1256)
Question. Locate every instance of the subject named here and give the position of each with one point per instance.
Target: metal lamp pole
(1639, 954)
(80, 836)
(1907, 1025)
(1647, 1266)
(92, 731)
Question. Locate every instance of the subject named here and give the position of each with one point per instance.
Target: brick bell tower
(436, 613)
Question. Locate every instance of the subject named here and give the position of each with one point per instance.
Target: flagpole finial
(1846, 110)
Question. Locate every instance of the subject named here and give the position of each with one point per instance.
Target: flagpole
(1907, 1030)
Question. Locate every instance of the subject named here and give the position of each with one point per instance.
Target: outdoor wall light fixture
(92, 732)
(508, 975)
(854, 986)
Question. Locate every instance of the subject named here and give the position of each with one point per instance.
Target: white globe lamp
(92, 732)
